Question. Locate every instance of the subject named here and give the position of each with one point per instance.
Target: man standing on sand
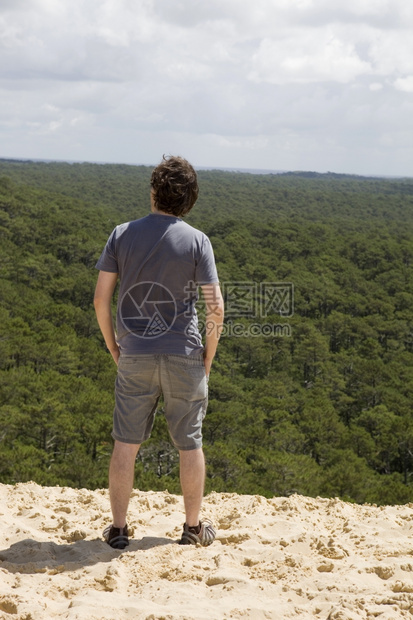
(160, 262)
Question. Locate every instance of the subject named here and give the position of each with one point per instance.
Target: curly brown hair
(175, 186)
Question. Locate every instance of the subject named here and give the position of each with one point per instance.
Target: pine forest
(311, 391)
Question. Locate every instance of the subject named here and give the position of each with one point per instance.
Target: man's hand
(115, 353)
(207, 363)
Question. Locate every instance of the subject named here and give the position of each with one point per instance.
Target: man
(160, 262)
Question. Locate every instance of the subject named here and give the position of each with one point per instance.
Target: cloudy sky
(262, 84)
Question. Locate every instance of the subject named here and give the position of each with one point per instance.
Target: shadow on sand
(31, 556)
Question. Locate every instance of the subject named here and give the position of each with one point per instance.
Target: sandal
(204, 537)
(116, 537)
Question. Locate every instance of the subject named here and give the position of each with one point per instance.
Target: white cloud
(233, 80)
(305, 57)
(405, 84)
(392, 52)
(254, 143)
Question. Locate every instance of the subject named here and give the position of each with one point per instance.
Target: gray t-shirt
(160, 260)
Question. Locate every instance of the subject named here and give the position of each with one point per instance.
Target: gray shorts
(139, 383)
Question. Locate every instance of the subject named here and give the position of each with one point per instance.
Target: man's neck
(158, 212)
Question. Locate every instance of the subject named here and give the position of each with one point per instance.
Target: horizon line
(262, 171)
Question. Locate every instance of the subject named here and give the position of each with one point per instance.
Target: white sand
(279, 558)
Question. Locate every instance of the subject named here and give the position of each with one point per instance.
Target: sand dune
(293, 557)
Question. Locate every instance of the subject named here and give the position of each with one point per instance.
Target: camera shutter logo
(148, 310)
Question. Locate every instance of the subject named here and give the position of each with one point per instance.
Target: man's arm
(214, 320)
(105, 287)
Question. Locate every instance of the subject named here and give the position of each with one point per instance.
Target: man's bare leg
(121, 476)
(192, 475)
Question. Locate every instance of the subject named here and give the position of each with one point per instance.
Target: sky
(320, 85)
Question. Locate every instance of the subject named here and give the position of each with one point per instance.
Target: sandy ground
(278, 558)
